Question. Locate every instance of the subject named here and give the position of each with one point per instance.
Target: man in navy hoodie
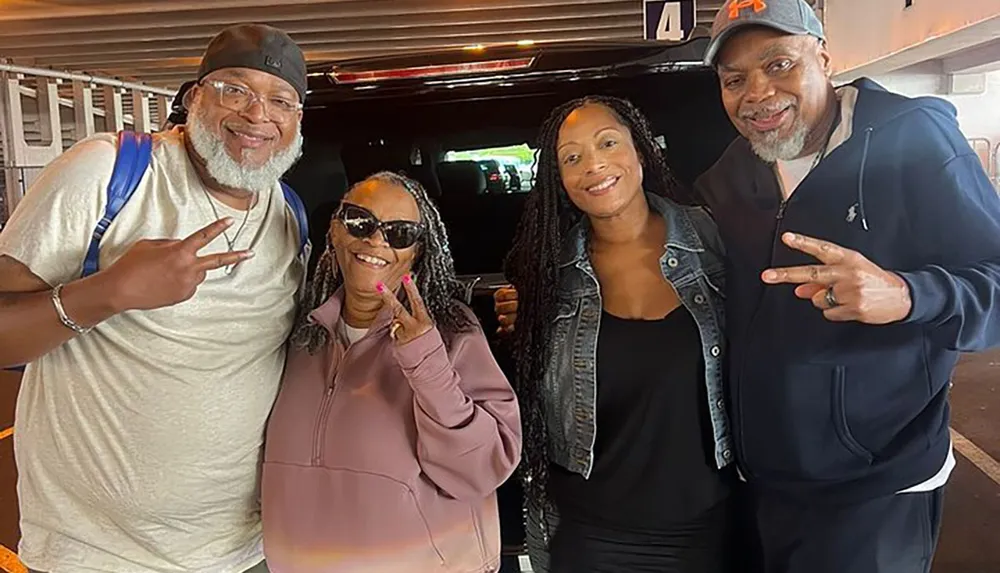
(863, 242)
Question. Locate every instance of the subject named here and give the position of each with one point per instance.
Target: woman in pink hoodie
(394, 425)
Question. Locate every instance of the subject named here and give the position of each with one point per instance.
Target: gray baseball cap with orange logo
(788, 16)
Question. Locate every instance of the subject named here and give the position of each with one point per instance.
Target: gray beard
(770, 148)
(230, 173)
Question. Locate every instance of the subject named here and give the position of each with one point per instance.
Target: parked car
(513, 177)
(497, 179)
(403, 113)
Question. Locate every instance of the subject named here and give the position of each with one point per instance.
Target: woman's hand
(407, 326)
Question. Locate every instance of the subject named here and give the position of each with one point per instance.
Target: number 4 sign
(669, 20)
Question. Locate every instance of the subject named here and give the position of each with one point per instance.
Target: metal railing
(85, 78)
(996, 167)
(989, 156)
(20, 178)
(33, 128)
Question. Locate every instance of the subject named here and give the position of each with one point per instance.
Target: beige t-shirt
(793, 172)
(138, 444)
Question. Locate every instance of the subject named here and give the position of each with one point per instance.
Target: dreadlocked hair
(532, 265)
(433, 268)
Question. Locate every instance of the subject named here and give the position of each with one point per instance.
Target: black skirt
(704, 545)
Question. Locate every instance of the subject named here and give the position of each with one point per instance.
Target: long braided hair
(533, 262)
(433, 267)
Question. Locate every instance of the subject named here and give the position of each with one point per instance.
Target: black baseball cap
(178, 113)
(257, 47)
(789, 16)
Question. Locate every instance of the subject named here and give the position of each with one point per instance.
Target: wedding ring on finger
(393, 329)
(831, 299)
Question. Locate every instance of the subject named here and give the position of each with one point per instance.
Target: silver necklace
(230, 243)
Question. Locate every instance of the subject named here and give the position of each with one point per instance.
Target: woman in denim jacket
(621, 318)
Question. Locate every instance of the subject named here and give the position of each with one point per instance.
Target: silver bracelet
(66, 320)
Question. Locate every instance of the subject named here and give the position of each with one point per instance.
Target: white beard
(770, 148)
(230, 173)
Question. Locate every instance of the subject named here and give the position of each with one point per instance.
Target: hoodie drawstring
(861, 178)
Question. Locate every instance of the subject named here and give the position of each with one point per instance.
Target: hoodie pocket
(350, 518)
(841, 422)
(796, 426)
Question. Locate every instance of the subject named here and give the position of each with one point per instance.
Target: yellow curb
(977, 456)
(9, 561)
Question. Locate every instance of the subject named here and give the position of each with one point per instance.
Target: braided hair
(531, 266)
(433, 268)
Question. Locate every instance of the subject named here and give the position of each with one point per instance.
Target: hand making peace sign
(156, 273)
(847, 286)
(407, 326)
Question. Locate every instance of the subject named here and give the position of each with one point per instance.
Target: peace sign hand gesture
(156, 273)
(847, 286)
(407, 326)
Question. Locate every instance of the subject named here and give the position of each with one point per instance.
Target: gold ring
(392, 329)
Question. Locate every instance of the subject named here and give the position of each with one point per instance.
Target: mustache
(246, 129)
(232, 172)
(764, 110)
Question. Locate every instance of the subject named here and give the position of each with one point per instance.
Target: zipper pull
(781, 210)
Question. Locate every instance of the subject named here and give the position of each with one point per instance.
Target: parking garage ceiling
(160, 42)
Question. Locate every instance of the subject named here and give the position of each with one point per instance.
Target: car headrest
(424, 174)
(461, 178)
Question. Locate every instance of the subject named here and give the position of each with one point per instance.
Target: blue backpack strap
(299, 209)
(134, 151)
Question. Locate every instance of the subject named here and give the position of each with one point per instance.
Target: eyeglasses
(239, 98)
(362, 224)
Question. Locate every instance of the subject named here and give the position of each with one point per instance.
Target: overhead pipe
(42, 72)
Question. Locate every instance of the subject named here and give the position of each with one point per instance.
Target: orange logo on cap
(736, 5)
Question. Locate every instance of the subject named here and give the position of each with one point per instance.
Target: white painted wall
(865, 33)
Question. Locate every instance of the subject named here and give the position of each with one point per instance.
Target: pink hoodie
(385, 459)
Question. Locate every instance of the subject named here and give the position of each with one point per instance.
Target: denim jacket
(693, 264)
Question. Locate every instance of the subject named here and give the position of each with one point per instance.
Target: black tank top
(654, 466)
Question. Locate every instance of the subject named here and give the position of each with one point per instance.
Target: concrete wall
(978, 114)
(867, 35)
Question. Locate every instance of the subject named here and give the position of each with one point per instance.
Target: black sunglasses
(362, 224)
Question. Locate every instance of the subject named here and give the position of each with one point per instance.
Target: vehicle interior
(430, 133)
(352, 133)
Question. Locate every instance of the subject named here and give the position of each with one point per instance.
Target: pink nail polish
(379, 287)
(407, 279)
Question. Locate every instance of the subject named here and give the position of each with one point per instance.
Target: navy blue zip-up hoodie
(843, 412)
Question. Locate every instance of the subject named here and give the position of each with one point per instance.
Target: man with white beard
(141, 414)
